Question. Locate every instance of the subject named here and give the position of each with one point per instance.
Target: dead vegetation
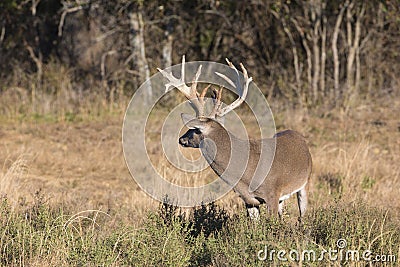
(81, 163)
(83, 207)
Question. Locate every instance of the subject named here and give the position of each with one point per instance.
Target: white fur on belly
(284, 197)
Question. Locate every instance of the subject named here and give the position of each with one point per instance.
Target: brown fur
(290, 170)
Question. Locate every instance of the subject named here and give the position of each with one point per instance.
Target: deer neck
(216, 147)
(222, 150)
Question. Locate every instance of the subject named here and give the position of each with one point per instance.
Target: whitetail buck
(291, 164)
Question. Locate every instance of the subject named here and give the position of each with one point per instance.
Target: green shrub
(207, 236)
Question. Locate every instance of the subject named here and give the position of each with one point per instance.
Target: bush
(208, 236)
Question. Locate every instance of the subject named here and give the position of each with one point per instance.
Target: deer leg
(280, 208)
(253, 212)
(272, 204)
(302, 201)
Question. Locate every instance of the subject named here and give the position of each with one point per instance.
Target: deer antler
(242, 91)
(196, 100)
(217, 94)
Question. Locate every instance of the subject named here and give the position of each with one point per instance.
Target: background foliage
(307, 52)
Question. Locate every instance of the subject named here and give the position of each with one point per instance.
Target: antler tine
(193, 91)
(183, 69)
(217, 94)
(236, 84)
(245, 88)
(175, 82)
(196, 100)
(190, 92)
(203, 93)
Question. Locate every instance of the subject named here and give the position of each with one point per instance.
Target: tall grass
(39, 235)
(57, 97)
(11, 178)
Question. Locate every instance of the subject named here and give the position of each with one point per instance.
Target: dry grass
(81, 163)
(68, 142)
(11, 178)
(74, 157)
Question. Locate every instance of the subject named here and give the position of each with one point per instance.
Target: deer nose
(183, 141)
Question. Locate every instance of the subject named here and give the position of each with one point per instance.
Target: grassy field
(68, 199)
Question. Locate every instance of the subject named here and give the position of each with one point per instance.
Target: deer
(291, 167)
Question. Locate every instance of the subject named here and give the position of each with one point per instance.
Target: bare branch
(103, 59)
(36, 59)
(35, 3)
(62, 19)
(2, 34)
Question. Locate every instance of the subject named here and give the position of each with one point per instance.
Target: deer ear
(193, 122)
(221, 120)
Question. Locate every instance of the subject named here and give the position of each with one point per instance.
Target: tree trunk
(308, 53)
(353, 56)
(138, 49)
(323, 52)
(295, 62)
(316, 54)
(335, 93)
(167, 51)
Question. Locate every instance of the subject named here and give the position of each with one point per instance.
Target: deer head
(203, 125)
